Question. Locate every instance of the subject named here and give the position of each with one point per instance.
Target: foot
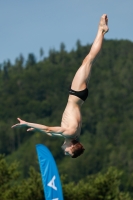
(103, 25)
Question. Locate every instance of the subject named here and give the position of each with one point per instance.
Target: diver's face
(67, 147)
(68, 151)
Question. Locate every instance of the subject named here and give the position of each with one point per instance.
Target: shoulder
(69, 133)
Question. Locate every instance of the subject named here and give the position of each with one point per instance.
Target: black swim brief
(83, 94)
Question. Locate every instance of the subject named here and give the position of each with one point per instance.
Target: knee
(88, 59)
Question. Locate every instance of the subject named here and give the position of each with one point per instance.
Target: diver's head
(73, 148)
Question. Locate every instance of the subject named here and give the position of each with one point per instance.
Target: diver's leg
(82, 75)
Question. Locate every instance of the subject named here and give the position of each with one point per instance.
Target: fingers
(30, 129)
(19, 119)
(15, 125)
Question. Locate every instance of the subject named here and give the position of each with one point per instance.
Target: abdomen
(72, 116)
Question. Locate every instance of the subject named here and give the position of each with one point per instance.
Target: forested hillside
(38, 91)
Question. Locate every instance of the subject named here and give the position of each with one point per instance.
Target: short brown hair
(77, 149)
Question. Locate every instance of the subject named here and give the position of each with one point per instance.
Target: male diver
(71, 122)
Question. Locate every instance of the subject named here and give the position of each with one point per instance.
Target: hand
(30, 129)
(22, 123)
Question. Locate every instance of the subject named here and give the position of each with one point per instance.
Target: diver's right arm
(51, 131)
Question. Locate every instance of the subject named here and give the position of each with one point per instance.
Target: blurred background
(42, 45)
(27, 26)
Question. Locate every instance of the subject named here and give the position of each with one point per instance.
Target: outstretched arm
(51, 131)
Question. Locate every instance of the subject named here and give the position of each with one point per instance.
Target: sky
(28, 25)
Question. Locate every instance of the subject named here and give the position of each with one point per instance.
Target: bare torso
(71, 118)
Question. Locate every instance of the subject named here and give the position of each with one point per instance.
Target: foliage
(11, 187)
(95, 187)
